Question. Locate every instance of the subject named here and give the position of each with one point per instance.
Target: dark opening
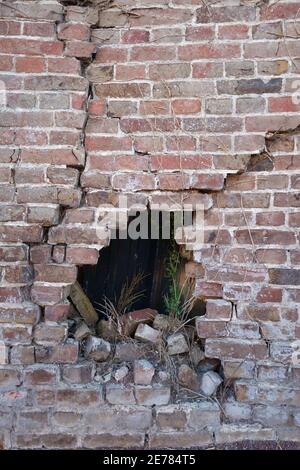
(121, 261)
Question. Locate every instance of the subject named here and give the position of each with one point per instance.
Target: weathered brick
(226, 14)
(118, 441)
(120, 395)
(49, 333)
(39, 375)
(236, 349)
(65, 353)
(45, 441)
(152, 395)
(77, 374)
(180, 440)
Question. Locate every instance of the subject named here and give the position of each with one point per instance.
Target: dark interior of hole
(123, 259)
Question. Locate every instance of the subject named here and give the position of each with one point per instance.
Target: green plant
(180, 299)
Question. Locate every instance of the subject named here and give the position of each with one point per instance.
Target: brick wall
(162, 101)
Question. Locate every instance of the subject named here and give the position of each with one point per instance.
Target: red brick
(30, 46)
(186, 106)
(177, 162)
(13, 253)
(236, 274)
(30, 175)
(271, 256)
(237, 31)
(30, 64)
(133, 125)
(123, 90)
(107, 54)
(194, 52)
(17, 274)
(66, 353)
(55, 273)
(208, 290)
(269, 294)
(56, 312)
(8, 137)
(6, 63)
(152, 53)
(211, 328)
(63, 65)
(81, 216)
(108, 143)
(241, 182)
(199, 33)
(71, 235)
(133, 182)
(80, 256)
(281, 11)
(283, 104)
(235, 349)
(79, 31)
(41, 29)
(174, 182)
(79, 49)
(261, 313)
(179, 143)
(97, 107)
(78, 102)
(40, 376)
(95, 179)
(130, 72)
(129, 162)
(270, 218)
(226, 14)
(47, 295)
(135, 36)
(166, 71)
(10, 28)
(16, 294)
(218, 310)
(273, 182)
(159, 16)
(154, 107)
(22, 233)
(207, 181)
(265, 237)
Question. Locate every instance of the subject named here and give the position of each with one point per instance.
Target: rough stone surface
(147, 334)
(132, 320)
(177, 344)
(161, 322)
(97, 348)
(106, 330)
(143, 372)
(159, 395)
(196, 354)
(188, 377)
(121, 373)
(82, 332)
(210, 382)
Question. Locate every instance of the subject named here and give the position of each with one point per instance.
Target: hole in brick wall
(121, 261)
(148, 334)
(146, 256)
